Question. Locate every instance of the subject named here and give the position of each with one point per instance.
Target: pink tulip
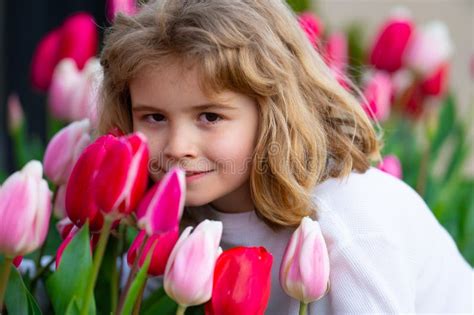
(391, 164)
(45, 58)
(163, 245)
(304, 270)
(64, 149)
(73, 93)
(80, 195)
(25, 209)
(79, 38)
(428, 49)
(16, 116)
(127, 7)
(59, 206)
(337, 51)
(122, 177)
(189, 272)
(312, 26)
(391, 42)
(378, 93)
(163, 205)
(437, 83)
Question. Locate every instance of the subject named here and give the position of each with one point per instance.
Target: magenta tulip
(127, 7)
(162, 243)
(17, 261)
(378, 94)
(64, 149)
(163, 205)
(122, 177)
(304, 270)
(391, 164)
(190, 268)
(391, 42)
(79, 38)
(25, 209)
(242, 282)
(45, 58)
(312, 26)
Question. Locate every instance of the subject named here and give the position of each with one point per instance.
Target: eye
(153, 118)
(210, 118)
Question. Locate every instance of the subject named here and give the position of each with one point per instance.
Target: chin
(196, 202)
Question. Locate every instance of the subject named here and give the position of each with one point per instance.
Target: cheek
(233, 149)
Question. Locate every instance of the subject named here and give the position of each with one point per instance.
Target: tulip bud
(190, 267)
(429, 48)
(436, 84)
(162, 207)
(45, 58)
(304, 270)
(162, 244)
(391, 42)
(312, 26)
(391, 164)
(25, 209)
(16, 116)
(242, 282)
(122, 177)
(127, 7)
(378, 93)
(63, 150)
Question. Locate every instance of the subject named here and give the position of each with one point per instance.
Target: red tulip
(80, 194)
(122, 177)
(391, 43)
(437, 83)
(242, 282)
(163, 245)
(45, 58)
(78, 38)
(312, 26)
(17, 261)
(64, 226)
(94, 238)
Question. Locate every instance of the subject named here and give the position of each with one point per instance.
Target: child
(233, 92)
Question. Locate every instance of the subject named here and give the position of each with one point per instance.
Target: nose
(180, 144)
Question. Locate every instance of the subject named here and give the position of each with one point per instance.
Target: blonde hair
(310, 127)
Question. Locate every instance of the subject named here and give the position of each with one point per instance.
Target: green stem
(303, 308)
(423, 173)
(131, 276)
(181, 309)
(116, 273)
(99, 253)
(138, 303)
(5, 269)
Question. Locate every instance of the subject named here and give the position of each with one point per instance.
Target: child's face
(185, 128)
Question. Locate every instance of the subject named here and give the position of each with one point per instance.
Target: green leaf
(136, 286)
(69, 280)
(445, 125)
(159, 303)
(18, 299)
(356, 51)
(299, 5)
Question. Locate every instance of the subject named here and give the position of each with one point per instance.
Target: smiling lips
(191, 173)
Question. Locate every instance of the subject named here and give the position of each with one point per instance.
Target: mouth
(193, 173)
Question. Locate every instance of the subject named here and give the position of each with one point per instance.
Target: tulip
(17, 261)
(304, 270)
(73, 93)
(436, 84)
(64, 149)
(25, 209)
(122, 177)
(45, 58)
(68, 238)
(114, 7)
(80, 195)
(391, 42)
(429, 49)
(163, 205)
(413, 106)
(16, 116)
(190, 267)
(336, 54)
(163, 245)
(312, 26)
(59, 206)
(242, 282)
(79, 38)
(64, 226)
(391, 164)
(378, 93)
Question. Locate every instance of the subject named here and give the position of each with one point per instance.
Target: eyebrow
(144, 108)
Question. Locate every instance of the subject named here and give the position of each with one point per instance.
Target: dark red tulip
(436, 84)
(45, 58)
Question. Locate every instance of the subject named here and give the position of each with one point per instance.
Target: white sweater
(388, 254)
